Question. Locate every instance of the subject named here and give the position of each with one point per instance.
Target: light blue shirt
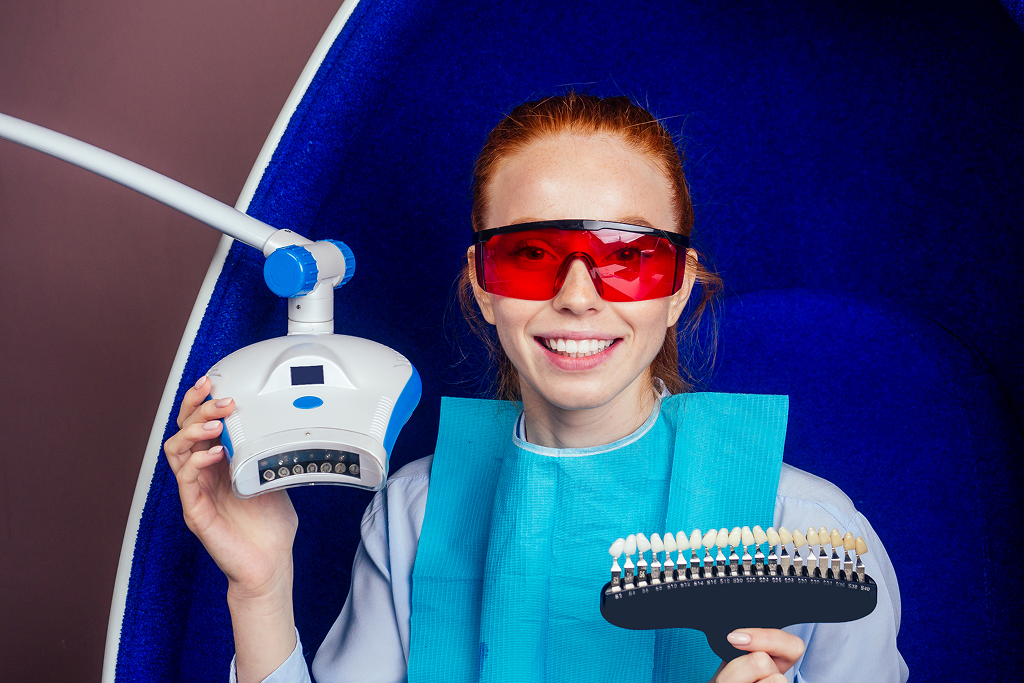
(369, 642)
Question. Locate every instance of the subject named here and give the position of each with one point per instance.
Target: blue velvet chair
(856, 172)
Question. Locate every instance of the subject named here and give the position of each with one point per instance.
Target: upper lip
(602, 336)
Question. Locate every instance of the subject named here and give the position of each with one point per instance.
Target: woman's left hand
(771, 654)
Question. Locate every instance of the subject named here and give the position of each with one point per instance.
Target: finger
(755, 666)
(189, 472)
(784, 648)
(195, 436)
(193, 398)
(211, 410)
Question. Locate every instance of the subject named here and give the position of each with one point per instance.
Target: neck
(552, 426)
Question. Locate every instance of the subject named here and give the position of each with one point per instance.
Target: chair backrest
(864, 153)
(904, 418)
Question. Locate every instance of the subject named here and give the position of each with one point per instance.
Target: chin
(576, 395)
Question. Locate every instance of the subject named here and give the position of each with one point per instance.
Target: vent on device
(234, 425)
(379, 425)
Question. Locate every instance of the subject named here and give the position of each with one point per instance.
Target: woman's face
(591, 177)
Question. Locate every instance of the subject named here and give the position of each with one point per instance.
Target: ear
(483, 299)
(677, 302)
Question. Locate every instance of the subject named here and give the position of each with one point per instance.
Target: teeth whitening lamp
(313, 407)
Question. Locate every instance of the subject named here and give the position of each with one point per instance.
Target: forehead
(580, 176)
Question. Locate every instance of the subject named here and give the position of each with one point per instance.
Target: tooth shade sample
(784, 536)
(798, 539)
(570, 346)
(642, 544)
(862, 547)
(657, 545)
(709, 539)
(617, 547)
(748, 536)
(722, 539)
(848, 542)
(837, 539)
(630, 544)
(695, 539)
(670, 543)
(812, 536)
(823, 536)
(734, 537)
(773, 537)
(760, 537)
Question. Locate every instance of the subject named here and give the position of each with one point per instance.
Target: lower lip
(577, 364)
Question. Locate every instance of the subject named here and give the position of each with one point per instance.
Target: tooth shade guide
(741, 602)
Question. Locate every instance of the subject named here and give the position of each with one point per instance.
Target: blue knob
(290, 271)
(350, 261)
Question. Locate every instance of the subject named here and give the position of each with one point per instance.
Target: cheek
(649, 321)
(510, 319)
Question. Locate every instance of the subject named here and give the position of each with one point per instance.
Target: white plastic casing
(362, 390)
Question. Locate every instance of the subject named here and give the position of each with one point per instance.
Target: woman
(587, 337)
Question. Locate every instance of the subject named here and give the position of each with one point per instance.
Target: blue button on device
(307, 402)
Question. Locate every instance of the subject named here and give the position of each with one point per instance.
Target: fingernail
(738, 638)
(211, 425)
(216, 450)
(223, 403)
(199, 382)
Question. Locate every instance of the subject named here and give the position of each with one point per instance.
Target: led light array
(727, 562)
(308, 461)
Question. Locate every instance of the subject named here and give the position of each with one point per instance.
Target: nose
(578, 293)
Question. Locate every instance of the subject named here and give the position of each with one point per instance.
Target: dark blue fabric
(904, 418)
(868, 151)
(1016, 10)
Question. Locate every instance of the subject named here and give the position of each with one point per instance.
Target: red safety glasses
(625, 262)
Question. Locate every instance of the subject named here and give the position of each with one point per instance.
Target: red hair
(575, 114)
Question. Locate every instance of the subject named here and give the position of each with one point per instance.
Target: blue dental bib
(513, 550)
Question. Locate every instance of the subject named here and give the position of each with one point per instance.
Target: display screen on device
(307, 374)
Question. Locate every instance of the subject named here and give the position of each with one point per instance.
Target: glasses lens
(523, 265)
(631, 266)
(634, 267)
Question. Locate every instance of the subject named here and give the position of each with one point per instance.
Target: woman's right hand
(251, 539)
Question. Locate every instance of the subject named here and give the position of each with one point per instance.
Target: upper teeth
(577, 348)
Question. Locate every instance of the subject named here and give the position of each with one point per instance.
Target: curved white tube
(147, 181)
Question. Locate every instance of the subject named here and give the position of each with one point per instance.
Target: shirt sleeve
(293, 670)
(861, 650)
(369, 642)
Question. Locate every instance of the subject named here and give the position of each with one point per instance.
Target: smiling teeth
(577, 348)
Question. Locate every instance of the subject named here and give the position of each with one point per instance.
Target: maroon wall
(98, 281)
